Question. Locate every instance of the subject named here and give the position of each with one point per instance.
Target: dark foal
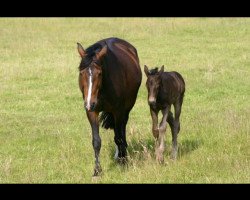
(164, 89)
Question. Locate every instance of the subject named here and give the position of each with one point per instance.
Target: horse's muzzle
(91, 107)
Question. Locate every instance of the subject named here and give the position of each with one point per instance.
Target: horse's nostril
(92, 106)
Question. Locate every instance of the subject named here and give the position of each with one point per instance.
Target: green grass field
(45, 136)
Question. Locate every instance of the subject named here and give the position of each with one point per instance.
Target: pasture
(45, 136)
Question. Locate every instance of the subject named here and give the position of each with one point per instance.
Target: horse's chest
(166, 98)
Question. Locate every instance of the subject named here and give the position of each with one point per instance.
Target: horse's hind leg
(170, 121)
(177, 108)
(120, 137)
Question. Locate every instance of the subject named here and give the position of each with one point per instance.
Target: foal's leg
(170, 121)
(96, 140)
(155, 128)
(161, 139)
(177, 108)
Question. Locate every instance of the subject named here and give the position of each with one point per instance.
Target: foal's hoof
(160, 159)
(173, 156)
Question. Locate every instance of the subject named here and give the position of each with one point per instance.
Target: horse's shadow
(142, 150)
(187, 146)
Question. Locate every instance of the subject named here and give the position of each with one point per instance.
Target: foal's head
(90, 75)
(153, 83)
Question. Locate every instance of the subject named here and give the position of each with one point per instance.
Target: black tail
(107, 120)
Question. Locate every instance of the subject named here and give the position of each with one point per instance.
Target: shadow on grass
(139, 151)
(187, 146)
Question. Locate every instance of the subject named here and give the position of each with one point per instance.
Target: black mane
(91, 52)
(153, 71)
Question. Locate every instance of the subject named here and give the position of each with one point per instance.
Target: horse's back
(125, 52)
(123, 69)
(173, 80)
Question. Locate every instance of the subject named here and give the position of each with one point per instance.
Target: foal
(164, 89)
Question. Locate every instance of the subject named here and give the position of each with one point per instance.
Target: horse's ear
(101, 53)
(146, 70)
(81, 50)
(162, 69)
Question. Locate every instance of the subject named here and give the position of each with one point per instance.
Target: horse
(164, 89)
(109, 79)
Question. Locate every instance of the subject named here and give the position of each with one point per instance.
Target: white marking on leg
(116, 152)
(89, 89)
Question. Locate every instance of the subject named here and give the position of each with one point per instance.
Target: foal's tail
(107, 120)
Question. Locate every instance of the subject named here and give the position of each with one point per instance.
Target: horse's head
(90, 76)
(153, 83)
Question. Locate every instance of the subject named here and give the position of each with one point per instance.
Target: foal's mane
(153, 71)
(90, 53)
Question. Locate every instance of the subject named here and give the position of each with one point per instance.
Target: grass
(44, 133)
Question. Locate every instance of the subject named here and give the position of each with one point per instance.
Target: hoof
(97, 171)
(173, 155)
(160, 159)
(122, 161)
(95, 179)
(159, 153)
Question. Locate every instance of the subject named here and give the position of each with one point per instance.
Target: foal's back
(173, 87)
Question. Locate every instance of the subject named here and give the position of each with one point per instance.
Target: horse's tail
(107, 120)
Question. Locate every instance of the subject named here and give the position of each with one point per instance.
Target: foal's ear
(162, 69)
(81, 50)
(146, 70)
(101, 53)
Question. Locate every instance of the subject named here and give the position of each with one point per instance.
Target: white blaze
(90, 89)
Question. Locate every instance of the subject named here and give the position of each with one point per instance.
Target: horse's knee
(156, 133)
(162, 129)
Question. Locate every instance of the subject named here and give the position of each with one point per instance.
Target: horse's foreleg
(161, 139)
(96, 140)
(155, 128)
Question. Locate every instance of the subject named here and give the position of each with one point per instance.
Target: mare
(109, 79)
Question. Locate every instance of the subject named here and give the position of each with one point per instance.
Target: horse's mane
(90, 53)
(153, 71)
